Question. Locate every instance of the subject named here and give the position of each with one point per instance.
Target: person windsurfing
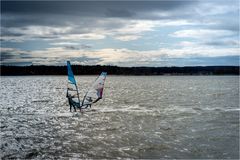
(89, 100)
(92, 96)
(73, 96)
(72, 103)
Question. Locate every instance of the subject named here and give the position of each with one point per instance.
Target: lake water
(139, 117)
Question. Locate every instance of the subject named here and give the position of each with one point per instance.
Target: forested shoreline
(115, 70)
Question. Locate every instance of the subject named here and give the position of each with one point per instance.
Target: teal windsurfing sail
(95, 92)
(70, 73)
(72, 89)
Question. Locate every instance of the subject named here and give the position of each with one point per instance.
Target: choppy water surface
(139, 117)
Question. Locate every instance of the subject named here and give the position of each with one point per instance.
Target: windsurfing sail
(72, 89)
(95, 92)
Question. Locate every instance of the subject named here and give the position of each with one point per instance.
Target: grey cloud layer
(68, 22)
(86, 16)
(89, 15)
(60, 13)
(87, 8)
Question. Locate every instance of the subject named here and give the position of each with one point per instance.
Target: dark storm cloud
(88, 13)
(47, 7)
(89, 8)
(20, 13)
(82, 16)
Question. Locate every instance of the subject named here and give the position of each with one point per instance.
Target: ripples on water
(139, 117)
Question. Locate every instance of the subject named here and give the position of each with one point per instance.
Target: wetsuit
(71, 104)
(89, 100)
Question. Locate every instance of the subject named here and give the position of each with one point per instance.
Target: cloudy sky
(137, 33)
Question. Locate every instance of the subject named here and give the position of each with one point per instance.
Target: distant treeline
(115, 70)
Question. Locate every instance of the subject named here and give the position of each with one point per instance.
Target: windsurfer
(71, 102)
(90, 101)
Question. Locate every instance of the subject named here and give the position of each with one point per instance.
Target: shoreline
(124, 71)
